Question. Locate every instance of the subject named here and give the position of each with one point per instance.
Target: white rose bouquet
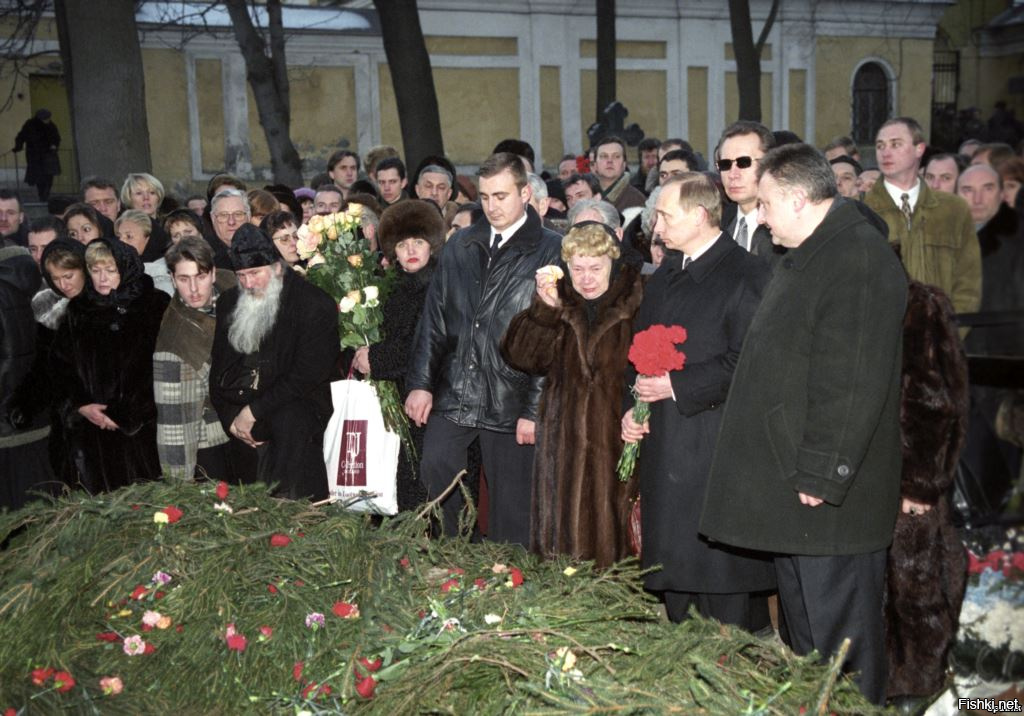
(339, 260)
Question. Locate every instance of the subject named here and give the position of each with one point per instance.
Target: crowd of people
(803, 452)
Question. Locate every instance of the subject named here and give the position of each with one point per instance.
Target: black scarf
(134, 281)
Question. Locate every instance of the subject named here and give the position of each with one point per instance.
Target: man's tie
(905, 208)
(741, 234)
(495, 242)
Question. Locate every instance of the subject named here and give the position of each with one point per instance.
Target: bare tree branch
(763, 37)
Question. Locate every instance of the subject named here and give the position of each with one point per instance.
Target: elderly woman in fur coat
(577, 334)
(410, 233)
(927, 567)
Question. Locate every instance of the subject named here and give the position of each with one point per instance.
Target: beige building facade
(516, 69)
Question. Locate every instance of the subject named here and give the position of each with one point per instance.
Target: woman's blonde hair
(136, 217)
(589, 240)
(134, 180)
(97, 252)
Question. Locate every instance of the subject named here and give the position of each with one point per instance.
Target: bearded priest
(274, 352)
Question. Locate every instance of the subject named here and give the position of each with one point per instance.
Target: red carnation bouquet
(653, 353)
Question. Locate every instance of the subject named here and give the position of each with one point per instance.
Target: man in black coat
(711, 287)
(274, 349)
(460, 386)
(24, 464)
(807, 464)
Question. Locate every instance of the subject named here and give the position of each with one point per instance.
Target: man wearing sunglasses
(741, 146)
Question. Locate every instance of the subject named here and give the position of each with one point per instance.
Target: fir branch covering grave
(180, 597)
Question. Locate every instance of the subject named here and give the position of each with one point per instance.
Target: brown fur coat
(579, 506)
(927, 565)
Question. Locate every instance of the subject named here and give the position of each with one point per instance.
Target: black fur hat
(409, 218)
(251, 247)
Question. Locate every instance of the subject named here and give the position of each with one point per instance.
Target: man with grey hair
(539, 194)
(597, 210)
(229, 210)
(586, 211)
(435, 184)
(817, 446)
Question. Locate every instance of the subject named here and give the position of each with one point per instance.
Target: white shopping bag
(361, 455)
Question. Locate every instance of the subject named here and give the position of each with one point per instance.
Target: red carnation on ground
(108, 636)
(480, 583)
(272, 589)
(63, 682)
(280, 540)
(365, 687)
(148, 649)
(10, 712)
(404, 562)
(653, 353)
(139, 592)
(42, 675)
(371, 666)
(345, 610)
(450, 584)
(173, 514)
(297, 670)
(237, 642)
(515, 576)
(222, 490)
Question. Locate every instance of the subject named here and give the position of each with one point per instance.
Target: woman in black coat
(102, 360)
(410, 232)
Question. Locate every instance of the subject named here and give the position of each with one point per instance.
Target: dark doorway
(871, 104)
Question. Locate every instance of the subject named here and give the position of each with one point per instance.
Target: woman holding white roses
(410, 232)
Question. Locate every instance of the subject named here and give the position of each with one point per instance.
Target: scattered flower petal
(280, 540)
(162, 578)
(492, 619)
(315, 619)
(569, 571)
(222, 490)
(237, 642)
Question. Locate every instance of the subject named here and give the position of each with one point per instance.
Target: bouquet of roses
(339, 261)
(653, 353)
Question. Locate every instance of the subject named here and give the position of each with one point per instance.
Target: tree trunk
(748, 60)
(99, 47)
(412, 78)
(267, 73)
(748, 55)
(605, 56)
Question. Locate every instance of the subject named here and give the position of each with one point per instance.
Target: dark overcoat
(296, 361)
(814, 405)
(103, 353)
(580, 507)
(714, 299)
(389, 360)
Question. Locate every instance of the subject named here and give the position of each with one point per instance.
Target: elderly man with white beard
(274, 351)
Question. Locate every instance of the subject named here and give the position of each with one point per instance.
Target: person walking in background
(40, 139)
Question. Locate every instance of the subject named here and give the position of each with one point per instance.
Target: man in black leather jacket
(460, 386)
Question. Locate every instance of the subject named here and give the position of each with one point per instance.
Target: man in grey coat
(807, 464)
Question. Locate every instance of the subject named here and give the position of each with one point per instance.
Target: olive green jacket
(941, 247)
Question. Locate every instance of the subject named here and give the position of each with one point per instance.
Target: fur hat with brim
(251, 247)
(412, 218)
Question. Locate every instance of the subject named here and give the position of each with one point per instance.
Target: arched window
(871, 103)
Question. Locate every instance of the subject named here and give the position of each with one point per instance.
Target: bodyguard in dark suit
(459, 384)
(739, 150)
(807, 463)
(711, 287)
